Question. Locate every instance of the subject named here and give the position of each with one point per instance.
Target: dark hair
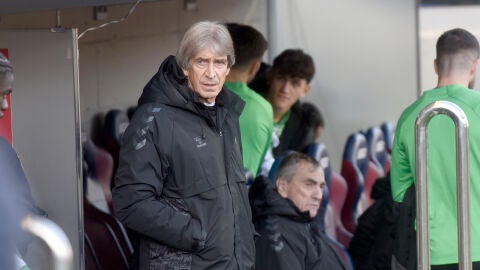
(259, 83)
(456, 45)
(288, 166)
(248, 43)
(312, 114)
(294, 63)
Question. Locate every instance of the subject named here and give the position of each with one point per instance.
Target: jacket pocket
(155, 255)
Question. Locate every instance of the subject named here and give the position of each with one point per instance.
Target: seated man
(283, 215)
(256, 120)
(288, 81)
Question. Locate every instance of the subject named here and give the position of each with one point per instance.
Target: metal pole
(463, 182)
(55, 239)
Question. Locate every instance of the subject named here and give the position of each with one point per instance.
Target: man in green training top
(456, 67)
(256, 120)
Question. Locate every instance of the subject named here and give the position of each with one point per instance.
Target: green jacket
(256, 125)
(441, 168)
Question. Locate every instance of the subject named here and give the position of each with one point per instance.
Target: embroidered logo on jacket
(200, 141)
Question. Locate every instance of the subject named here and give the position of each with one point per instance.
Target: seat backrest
(377, 149)
(273, 174)
(91, 259)
(372, 175)
(108, 239)
(388, 129)
(338, 195)
(354, 167)
(343, 253)
(100, 168)
(379, 160)
(115, 124)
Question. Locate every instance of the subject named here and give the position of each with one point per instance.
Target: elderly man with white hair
(180, 185)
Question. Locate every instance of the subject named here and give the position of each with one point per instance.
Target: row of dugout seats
(107, 244)
(366, 158)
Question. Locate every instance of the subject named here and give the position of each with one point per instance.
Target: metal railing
(463, 182)
(54, 237)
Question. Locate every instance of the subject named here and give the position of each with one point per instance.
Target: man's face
(5, 90)
(285, 91)
(206, 74)
(305, 189)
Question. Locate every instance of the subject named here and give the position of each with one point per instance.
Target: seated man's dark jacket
(298, 133)
(372, 244)
(180, 183)
(287, 241)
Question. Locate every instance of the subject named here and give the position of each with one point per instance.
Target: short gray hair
(289, 165)
(205, 35)
(6, 70)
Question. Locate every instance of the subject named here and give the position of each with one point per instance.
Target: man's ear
(435, 66)
(253, 68)
(306, 90)
(282, 187)
(473, 69)
(185, 72)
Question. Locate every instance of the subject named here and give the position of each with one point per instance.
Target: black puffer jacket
(298, 133)
(180, 184)
(287, 241)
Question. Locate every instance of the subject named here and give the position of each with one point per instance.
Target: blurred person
(283, 217)
(17, 200)
(259, 83)
(180, 184)
(256, 120)
(314, 121)
(457, 54)
(289, 80)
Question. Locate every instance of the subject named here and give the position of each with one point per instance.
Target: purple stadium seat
(354, 168)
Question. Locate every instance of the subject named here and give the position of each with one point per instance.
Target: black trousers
(476, 266)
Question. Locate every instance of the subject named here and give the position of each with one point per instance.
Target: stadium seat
(354, 168)
(379, 160)
(108, 241)
(339, 190)
(372, 174)
(91, 259)
(388, 129)
(100, 168)
(377, 149)
(116, 122)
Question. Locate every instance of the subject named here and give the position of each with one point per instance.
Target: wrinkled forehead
(209, 53)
